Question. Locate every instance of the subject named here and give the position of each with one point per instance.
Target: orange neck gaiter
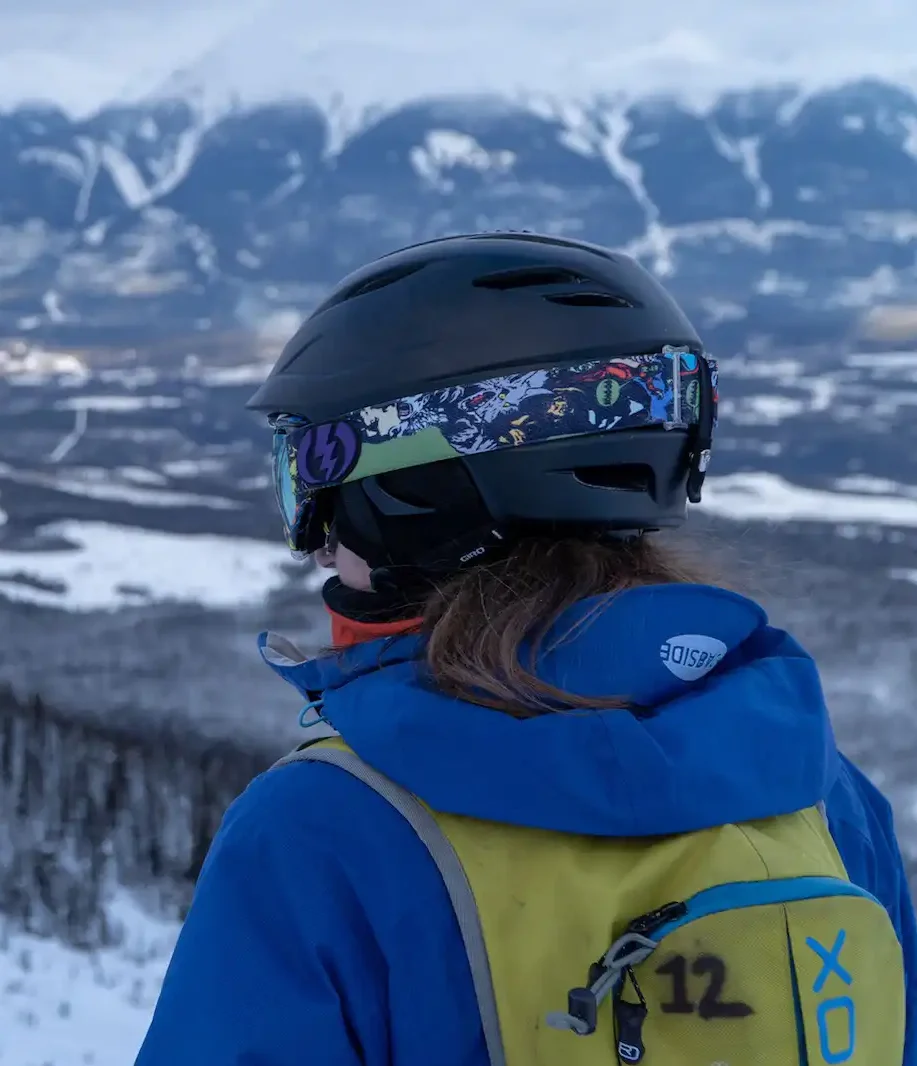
(345, 632)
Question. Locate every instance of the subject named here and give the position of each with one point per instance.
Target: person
(541, 738)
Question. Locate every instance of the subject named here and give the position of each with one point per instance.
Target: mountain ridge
(772, 204)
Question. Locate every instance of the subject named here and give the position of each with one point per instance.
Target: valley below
(140, 557)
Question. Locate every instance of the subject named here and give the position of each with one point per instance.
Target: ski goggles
(302, 469)
(673, 387)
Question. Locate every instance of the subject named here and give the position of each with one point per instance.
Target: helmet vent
(625, 477)
(526, 277)
(374, 283)
(589, 299)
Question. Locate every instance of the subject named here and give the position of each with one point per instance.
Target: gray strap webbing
(450, 867)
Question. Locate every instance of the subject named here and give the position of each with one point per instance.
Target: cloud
(84, 52)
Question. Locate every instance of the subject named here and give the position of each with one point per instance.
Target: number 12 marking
(710, 1005)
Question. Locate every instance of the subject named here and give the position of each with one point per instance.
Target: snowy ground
(101, 566)
(61, 1007)
(89, 565)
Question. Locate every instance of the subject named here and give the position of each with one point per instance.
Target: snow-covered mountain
(163, 234)
(773, 213)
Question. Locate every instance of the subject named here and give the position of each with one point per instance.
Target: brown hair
(477, 623)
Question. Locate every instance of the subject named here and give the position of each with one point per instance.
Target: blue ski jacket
(321, 931)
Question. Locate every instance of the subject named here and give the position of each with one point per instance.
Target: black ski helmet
(460, 391)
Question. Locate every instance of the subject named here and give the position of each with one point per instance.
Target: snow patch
(909, 122)
(25, 365)
(615, 126)
(134, 189)
(65, 1007)
(67, 443)
(744, 152)
(52, 304)
(66, 164)
(893, 361)
(111, 566)
(765, 410)
(717, 311)
(762, 236)
(119, 404)
(773, 283)
(878, 486)
(883, 282)
(98, 483)
(192, 468)
(443, 150)
(757, 496)
(139, 475)
(247, 374)
(741, 366)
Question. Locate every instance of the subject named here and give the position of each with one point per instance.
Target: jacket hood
(732, 723)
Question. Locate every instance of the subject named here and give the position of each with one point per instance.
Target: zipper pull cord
(581, 1015)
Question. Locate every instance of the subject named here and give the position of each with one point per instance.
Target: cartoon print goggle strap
(674, 387)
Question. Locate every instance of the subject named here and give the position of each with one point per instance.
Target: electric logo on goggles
(307, 458)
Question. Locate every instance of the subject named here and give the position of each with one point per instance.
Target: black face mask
(387, 601)
(386, 605)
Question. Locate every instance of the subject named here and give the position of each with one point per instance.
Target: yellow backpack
(743, 945)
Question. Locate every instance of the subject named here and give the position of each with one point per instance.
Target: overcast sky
(83, 52)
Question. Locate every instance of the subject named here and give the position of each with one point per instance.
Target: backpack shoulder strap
(447, 862)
